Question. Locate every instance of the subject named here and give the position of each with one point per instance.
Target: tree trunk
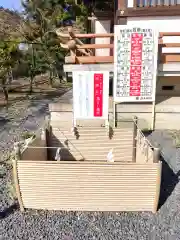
(5, 90)
(50, 77)
(6, 95)
(31, 84)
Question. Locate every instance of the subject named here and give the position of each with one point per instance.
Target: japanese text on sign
(98, 95)
(135, 64)
(90, 94)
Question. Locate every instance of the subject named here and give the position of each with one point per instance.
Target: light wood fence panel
(88, 186)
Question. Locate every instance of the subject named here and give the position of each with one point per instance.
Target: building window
(168, 88)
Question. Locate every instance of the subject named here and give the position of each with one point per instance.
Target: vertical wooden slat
(15, 175)
(122, 4)
(161, 3)
(135, 3)
(141, 3)
(134, 139)
(148, 3)
(156, 155)
(158, 187)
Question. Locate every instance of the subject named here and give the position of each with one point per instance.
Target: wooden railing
(155, 3)
(144, 8)
(81, 53)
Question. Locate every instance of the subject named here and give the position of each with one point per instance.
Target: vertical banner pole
(114, 113)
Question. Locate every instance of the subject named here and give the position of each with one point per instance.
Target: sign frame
(88, 76)
(130, 99)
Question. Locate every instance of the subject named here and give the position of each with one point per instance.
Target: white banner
(135, 64)
(90, 94)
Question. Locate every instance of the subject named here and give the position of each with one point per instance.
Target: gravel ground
(47, 225)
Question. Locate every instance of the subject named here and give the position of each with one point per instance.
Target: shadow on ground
(7, 211)
(168, 182)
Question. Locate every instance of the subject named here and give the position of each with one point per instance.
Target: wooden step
(127, 143)
(71, 140)
(68, 155)
(91, 133)
(68, 128)
(101, 151)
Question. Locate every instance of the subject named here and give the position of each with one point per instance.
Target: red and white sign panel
(135, 64)
(90, 94)
(98, 94)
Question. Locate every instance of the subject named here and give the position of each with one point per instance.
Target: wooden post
(15, 175)
(114, 114)
(158, 187)
(135, 4)
(153, 115)
(134, 139)
(122, 4)
(47, 131)
(156, 155)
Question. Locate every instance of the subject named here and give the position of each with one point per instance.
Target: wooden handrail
(81, 53)
(111, 46)
(107, 35)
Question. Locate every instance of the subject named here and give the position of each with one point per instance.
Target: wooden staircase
(92, 143)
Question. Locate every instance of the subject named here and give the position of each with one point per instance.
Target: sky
(11, 4)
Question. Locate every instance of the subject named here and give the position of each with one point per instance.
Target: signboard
(135, 64)
(90, 94)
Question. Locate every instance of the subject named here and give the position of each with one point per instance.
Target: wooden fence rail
(82, 53)
(155, 3)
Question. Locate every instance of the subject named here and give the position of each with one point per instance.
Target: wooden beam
(91, 59)
(170, 45)
(95, 46)
(105, 35)
(85, 35)
(122, 4)
(164, 58)
(169, 34)
(101, 46)
(150, 11)
(170, 57)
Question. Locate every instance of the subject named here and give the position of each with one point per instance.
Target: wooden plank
(141, 3)
(95, 46)
(165, 58)
(110, 35)
(88, 35)
(168, 34)
(170, 57)
(91, 59)
(104, 187)
(168, 69)
(101, 46)
(122, 4)
(169, 45)
(158, 187)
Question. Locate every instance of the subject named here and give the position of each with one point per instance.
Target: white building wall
(162, 24)
(102, 26)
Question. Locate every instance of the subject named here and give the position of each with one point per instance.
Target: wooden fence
(82, 186)
(84, 54)
(88, 185)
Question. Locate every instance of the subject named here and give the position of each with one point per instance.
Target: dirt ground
(19, 90)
